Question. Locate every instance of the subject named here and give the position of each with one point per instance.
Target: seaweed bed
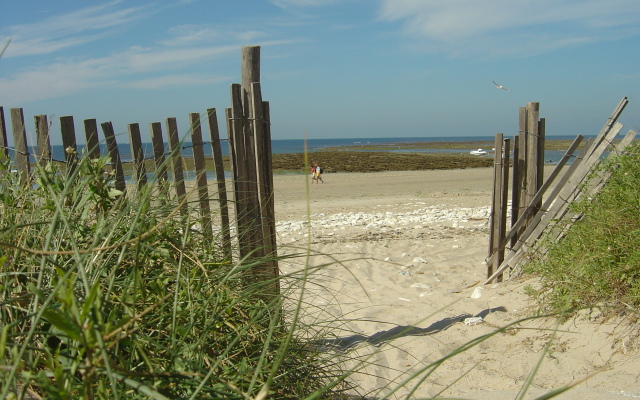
(376, 161)
(378, 158)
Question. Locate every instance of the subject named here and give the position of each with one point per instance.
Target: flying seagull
(499, 86)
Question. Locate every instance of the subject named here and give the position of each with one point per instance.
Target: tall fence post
(520, 178)
(499, 204)
(533, 142)
(250, 72)
(250, 167)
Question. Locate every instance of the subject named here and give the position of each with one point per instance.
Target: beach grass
(106, 296)
(597, 262)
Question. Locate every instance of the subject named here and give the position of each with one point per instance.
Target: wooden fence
(249, 141)
(530, 216)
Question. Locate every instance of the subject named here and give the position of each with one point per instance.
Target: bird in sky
(499, 86)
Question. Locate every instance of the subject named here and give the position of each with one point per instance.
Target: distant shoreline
(372, 157)
(550, 144)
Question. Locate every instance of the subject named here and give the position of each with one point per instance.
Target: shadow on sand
(381, 337)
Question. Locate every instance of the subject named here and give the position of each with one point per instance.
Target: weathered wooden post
(250, 71)
(216, 151)
(566, 191)
(251, 167)
(520, 165)
(157, 145)
(20, 144)
(68, 130)
(4, 144)
(42, 138)
(498, 222)
(533, 148)
(91, 134)
(201, 173)
(137, 153)
(515, 183)
(241, 188)
(114, 154)
(176, 163)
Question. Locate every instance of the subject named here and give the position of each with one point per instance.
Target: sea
(289, 146)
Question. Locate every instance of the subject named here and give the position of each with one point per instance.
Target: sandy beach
(397, 263)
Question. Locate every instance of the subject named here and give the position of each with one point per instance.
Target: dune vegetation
(597, 262)
(118, 297)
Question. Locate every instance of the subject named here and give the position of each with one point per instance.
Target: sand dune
(398, 258)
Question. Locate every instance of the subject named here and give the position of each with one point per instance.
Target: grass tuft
(103, 296)
(597, 262)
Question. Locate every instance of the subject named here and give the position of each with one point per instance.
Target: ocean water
(288, 146)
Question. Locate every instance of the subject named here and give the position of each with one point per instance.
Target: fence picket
(68, 131)
(498, 221)
(157, 143)
(176, 162)
(270, 214)
(532, 153)
(201, 172)
(216, 151)
(114, 154)
(91, 134)
(137, 153)
(237, 139)
(557, 203)
(42, 139)
(4, 144)
(249, 140)
(20, 143)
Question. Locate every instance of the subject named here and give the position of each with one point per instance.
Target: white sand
(398, 257)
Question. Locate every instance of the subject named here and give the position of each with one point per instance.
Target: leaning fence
(534, 212)
(249, 141)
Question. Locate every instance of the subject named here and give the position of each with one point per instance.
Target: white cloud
(68, 30)
(508, 26)
(172, 58)
(55, 80)
(161, 82)
(302, 3)
(186, 35)
(77, 75)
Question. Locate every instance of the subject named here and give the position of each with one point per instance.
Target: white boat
(478, 152)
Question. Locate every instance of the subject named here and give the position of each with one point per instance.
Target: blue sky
(330, 68)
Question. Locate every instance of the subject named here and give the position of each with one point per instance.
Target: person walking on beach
(318, 173)
(313, 173)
